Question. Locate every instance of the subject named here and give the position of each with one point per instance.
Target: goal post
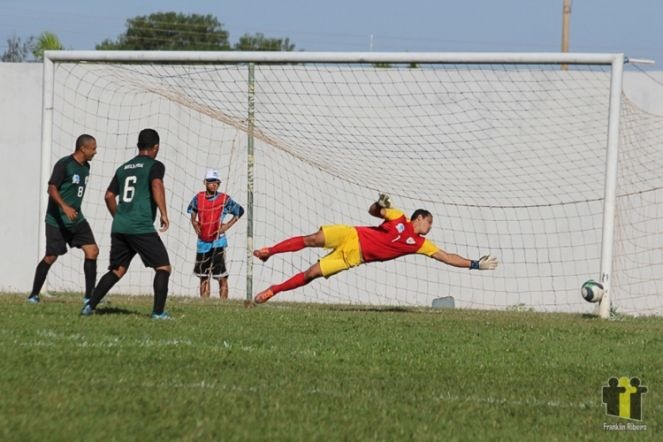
(489, 141)
(611, 163)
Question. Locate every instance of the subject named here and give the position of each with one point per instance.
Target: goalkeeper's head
(422, 221)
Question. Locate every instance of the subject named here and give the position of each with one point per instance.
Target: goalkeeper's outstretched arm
(377, 209)
(486, 262)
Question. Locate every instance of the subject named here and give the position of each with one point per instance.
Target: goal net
(509, 157)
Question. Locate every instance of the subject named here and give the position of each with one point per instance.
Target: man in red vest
(207, 209)
(352, 246)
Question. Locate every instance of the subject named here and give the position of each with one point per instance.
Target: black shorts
(77, 235)
(148, 245)
(213, 261)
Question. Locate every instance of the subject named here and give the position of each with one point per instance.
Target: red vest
(209, 215)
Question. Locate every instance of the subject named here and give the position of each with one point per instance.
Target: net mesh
(509, 159)
(638, 255)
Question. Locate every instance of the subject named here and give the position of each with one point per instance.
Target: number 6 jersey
(132, 183)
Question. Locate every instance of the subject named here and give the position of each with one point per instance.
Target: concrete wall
(20, 153)
(645, 90)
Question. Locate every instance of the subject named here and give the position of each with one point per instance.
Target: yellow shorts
(346, 252)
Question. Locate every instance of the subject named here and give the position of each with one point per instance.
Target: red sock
(289, 245)
(296, 281)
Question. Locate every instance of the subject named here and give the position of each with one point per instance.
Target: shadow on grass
(590, 316)
(345, 308)
(115, 311)
(375, 309)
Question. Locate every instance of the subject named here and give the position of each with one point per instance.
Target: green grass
(219, 371)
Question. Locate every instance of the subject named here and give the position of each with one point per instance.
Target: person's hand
(384, 201)
(487, 262)
(222, 228)
(164, 223)
(196, 227)
(69, 212)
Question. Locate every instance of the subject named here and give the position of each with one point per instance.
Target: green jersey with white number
(70, 177)
(132, 183)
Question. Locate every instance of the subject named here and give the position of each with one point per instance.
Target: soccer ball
(592, 291)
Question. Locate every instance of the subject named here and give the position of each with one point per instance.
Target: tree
(259, 42)
(47, 41)
(17, 49)
(171, 31)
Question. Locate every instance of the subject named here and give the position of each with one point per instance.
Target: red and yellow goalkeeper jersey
(393, 238)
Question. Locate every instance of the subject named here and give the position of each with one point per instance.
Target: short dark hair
(147, 139)
(420, 212)
(82, 140)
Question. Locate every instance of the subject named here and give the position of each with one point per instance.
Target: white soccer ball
(592, 291)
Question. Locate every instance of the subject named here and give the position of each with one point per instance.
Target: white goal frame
(615, 61)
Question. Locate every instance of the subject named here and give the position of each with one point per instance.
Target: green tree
(17, 50)
(47, 41)
(259, 42)
(171, 31)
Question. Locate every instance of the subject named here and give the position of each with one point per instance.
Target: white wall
(20, 146)
(645, 90)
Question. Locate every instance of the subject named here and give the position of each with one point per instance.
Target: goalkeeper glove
(486, 262)
(384, 201)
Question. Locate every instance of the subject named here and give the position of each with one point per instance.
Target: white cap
(212, 175)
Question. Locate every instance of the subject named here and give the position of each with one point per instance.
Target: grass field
(219, 371)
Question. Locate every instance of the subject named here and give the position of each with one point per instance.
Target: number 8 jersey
(70, 177)
(132, 183)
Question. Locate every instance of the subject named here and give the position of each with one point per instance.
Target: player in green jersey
(132, 198)
(65, 223)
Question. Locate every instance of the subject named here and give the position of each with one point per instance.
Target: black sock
(160, 291)
(40, 277)
(105, 284)
(90, 270)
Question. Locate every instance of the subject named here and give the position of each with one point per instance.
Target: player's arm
(193, 210)
(111, 202)
(484, 263)
(382, 208)
(237, 212)
(54, 182)
(195, 223)
(376, 210)
(451, 259)
(68, 211)
(111, 195)
(159, 193)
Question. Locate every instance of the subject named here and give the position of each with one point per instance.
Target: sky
(633, 27)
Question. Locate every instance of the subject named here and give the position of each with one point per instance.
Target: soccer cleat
(262, 254)
(263, 296)
(87, 310)
(161, 316)
(33, 299)
(86, 301)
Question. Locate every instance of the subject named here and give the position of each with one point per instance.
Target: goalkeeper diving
(354, 245)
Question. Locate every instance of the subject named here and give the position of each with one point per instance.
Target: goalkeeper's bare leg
(293, 244)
